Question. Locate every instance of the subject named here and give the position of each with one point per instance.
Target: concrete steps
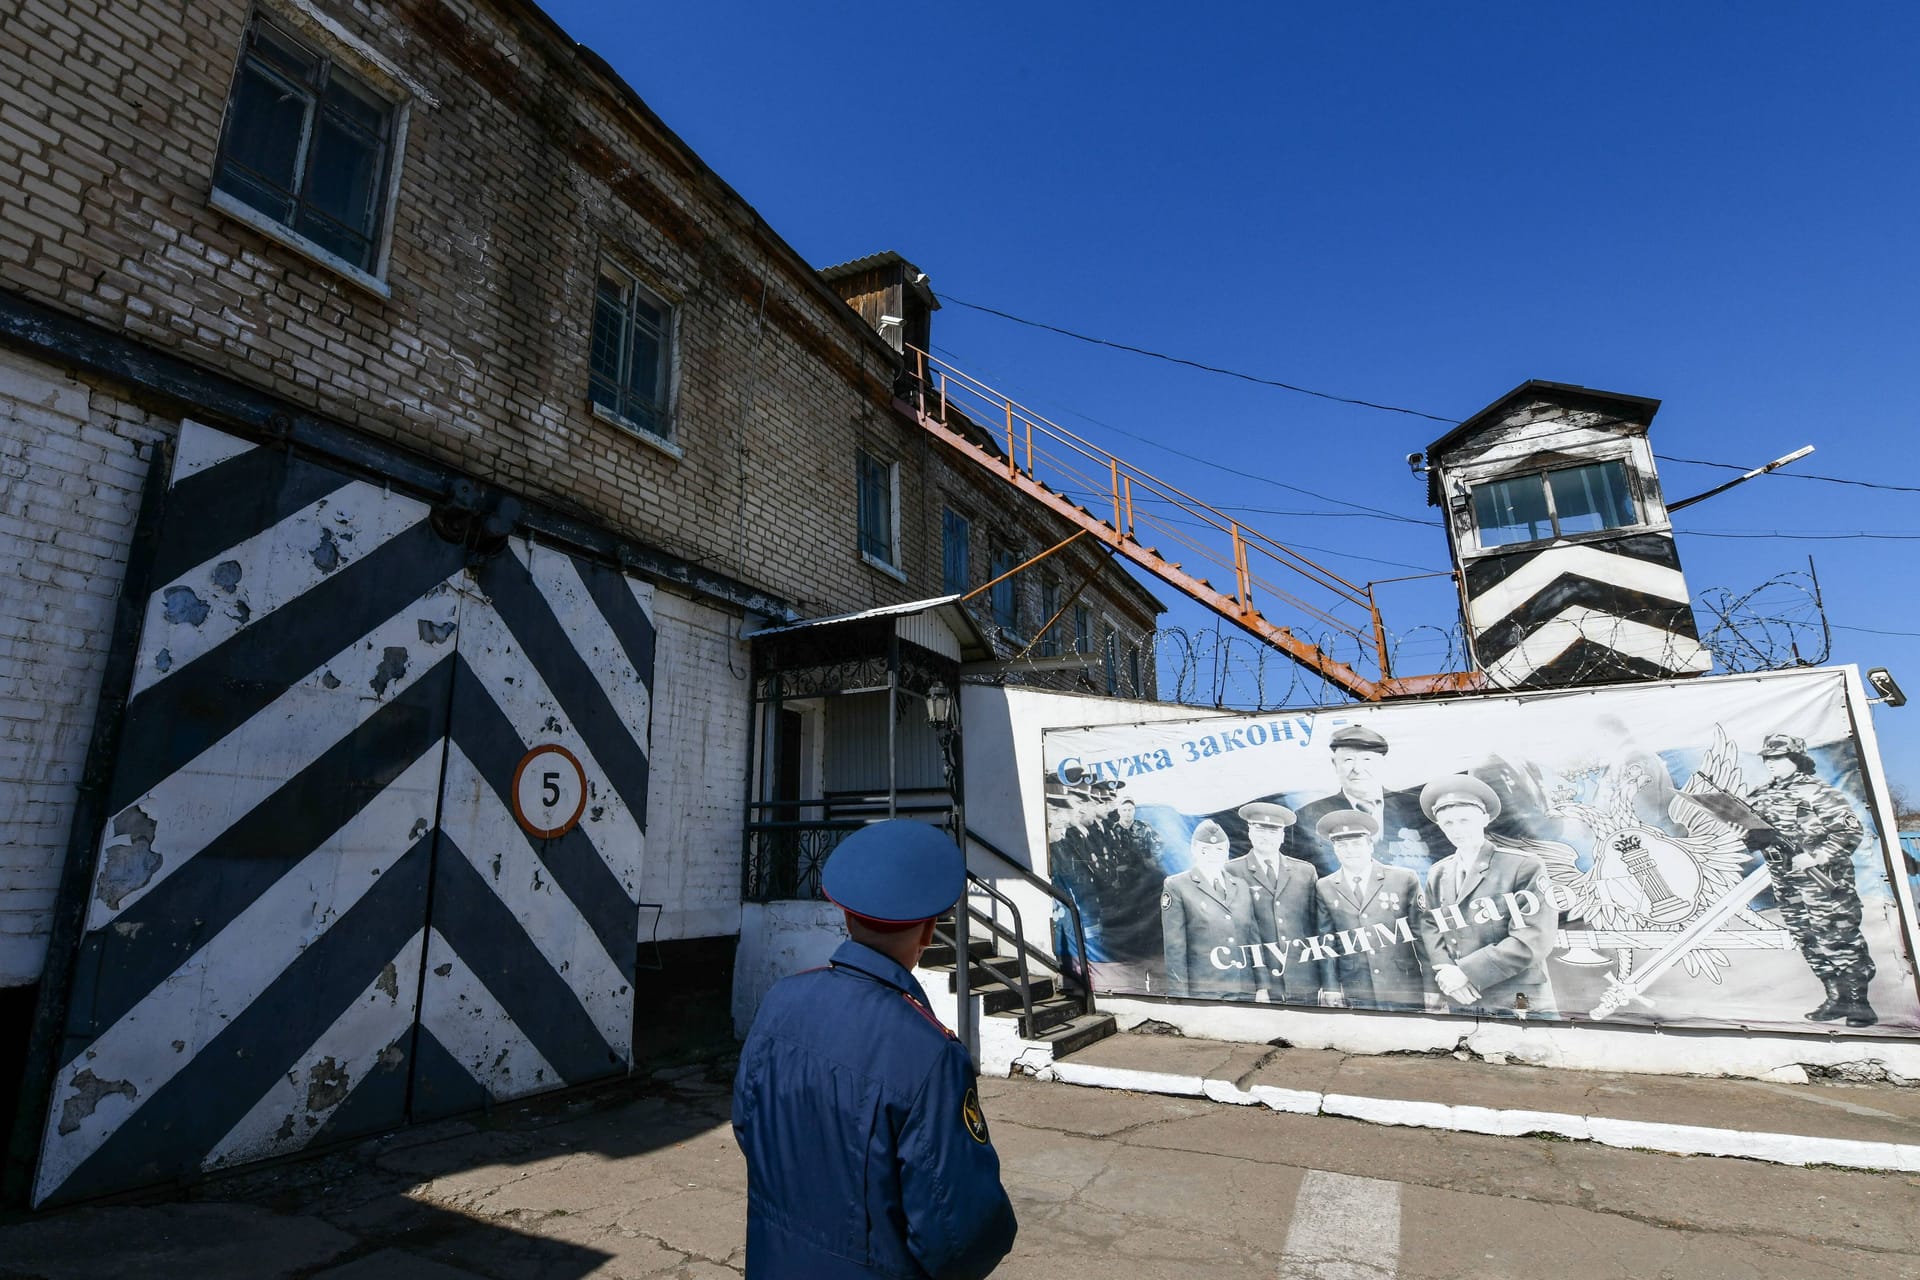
(1060, 1022)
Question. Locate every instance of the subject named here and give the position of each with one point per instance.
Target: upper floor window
(1082, 629)
(1542, 505)
(1049, 608)
(1005, 595)
(308, 145)
(632, 353)
(879, 511)
(956, 553)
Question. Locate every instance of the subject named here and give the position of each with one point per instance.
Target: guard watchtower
(1567, 567)
(891, 294)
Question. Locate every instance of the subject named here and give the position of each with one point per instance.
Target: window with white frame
(956, 552)
(879, 510)
(1541, 505)
(309, 146)
(631, 377)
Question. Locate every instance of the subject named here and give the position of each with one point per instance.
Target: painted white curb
(1674, 1139)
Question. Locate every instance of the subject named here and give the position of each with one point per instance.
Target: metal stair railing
(1019, 942)
(997, 432)
(1064, 966)
(1045, 959)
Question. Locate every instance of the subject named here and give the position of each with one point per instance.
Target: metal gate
(379, 813)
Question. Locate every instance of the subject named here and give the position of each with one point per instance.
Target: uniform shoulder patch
(972, 1116)
(1166, 901)
(927, 1013)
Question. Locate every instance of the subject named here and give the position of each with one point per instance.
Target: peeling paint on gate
(325, 699)
(127, 868)
(393, 666)
(183, 605)
(84, 1099)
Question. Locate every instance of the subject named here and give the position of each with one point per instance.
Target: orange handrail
(958, 392)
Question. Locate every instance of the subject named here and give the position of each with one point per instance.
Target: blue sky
(1415, 204)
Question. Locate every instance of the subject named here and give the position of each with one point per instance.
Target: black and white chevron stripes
(1583, 614)
(314, 915)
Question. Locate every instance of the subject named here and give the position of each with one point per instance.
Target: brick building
(385, 393)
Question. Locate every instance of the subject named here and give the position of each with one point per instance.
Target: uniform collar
(859, 956)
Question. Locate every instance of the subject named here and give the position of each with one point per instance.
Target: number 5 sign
(549, 791)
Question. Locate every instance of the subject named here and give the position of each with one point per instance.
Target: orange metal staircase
(973, 418)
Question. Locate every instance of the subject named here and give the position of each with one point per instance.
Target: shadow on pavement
(634, 1177)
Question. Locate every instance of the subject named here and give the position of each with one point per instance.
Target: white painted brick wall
(699, 763)
(71, 466)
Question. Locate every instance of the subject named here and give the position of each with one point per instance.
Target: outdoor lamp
(939, 704)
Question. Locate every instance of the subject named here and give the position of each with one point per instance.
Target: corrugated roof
(1641, 410)
(974, 644)
(916, 278)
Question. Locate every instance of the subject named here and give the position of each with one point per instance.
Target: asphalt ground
(643, 1180)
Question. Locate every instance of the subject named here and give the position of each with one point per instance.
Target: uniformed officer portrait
(1202, 910)
(867, 1151)
(1282, 891)
(1125, 875)
(1496, 964)
(1809, 853)
(1359, 757)
(1380, 972)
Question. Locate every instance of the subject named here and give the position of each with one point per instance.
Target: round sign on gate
(549, 791)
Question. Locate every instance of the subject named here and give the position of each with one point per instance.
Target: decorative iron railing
(785, 855)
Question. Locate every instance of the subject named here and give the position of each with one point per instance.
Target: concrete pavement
(1866, 1126)
(643, 1180)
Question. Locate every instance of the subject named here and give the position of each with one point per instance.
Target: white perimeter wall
(1004, 773)
(698, 766)
(778, 939)
(72, 465)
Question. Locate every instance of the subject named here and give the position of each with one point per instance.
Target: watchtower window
(1542, 505)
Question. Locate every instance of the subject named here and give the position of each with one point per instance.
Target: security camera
(887, 322)
(1884, 684)
(1416, 462)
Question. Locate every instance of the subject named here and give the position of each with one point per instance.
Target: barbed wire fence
(1778, 624)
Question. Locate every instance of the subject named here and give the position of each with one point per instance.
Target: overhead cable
(1195, 364)
(1364, 404)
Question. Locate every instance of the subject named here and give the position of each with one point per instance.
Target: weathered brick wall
(998, 517)
(524, 162)
(72, 463)
(527, 164)
(510, 188)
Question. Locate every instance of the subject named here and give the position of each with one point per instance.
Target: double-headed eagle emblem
(1679, 890)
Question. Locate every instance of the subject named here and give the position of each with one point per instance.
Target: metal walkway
(1050, 464)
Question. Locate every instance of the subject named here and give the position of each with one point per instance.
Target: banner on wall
(1697, 853)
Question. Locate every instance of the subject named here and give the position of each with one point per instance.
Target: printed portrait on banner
(1696, 854)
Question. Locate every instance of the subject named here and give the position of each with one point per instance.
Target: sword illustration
(1619, 991)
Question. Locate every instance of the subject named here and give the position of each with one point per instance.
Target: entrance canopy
(855, 719)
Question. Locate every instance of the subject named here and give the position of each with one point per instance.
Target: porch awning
(941, 625)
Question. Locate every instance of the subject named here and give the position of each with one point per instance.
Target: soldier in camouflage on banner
(1809, 853)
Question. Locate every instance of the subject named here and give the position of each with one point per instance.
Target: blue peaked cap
(895, 872)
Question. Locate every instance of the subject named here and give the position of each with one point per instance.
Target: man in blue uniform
(867, 1152)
